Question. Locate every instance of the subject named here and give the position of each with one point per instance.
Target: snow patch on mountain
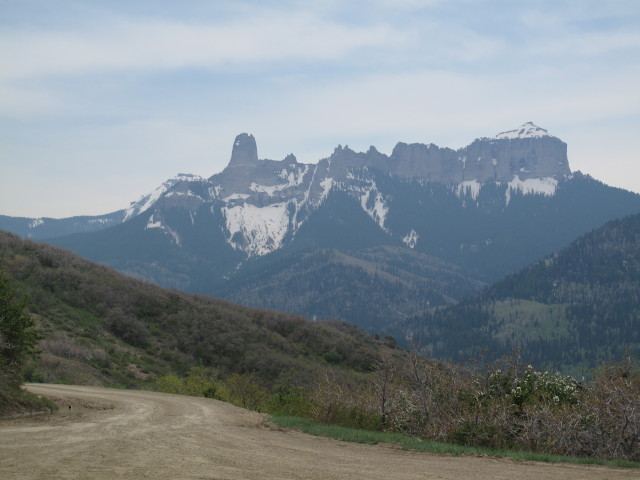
(256, 230)
(151, 223)
(147, 201)
(468, 187)
(268, 189)
(411, 239)
(527, 130)
(541, 186)
(35, 222)
(372, 202)
(187, 193)
(215, 191)
(100, 221)
(235, 196)
(295, 177)
(174, 235)
(326, 184)
(159, 224)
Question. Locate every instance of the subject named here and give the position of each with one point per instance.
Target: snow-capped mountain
(361, 236)
(149, 200)
(527, 130)
(265, 202)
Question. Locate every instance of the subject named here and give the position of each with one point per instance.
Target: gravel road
(115, 434)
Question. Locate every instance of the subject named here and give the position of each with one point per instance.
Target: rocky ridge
(265, 201)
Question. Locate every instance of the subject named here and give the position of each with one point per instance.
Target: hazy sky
(103, 100)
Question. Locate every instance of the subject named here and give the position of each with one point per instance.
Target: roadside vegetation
(419, 444)
(500, 409)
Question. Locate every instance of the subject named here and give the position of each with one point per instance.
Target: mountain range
(360, 236)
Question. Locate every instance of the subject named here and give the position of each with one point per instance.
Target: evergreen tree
(18, 335)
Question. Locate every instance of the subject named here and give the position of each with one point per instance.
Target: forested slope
(574, 309)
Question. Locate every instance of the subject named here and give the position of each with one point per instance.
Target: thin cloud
(147, 89)
(171, 45)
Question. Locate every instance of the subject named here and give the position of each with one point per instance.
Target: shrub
(348, 405)
(532, 386)
(514, 407)
(199, 382)
(245, 391)
(65, 347)
(290, 400)
(128, 329)
(170, 384)
(612, 412)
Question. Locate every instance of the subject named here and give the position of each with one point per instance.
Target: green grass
(423, 445)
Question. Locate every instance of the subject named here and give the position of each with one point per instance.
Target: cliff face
(502, 159)
(527, 152)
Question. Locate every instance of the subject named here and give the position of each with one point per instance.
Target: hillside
(573, 309)
(102, 327)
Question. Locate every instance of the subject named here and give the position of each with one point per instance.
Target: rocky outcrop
(244, 152)
(501, 159)
(526, 152)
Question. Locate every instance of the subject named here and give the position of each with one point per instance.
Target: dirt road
(113, 434)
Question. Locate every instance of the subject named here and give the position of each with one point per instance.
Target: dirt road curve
(114, 434)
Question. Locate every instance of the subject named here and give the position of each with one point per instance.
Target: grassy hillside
(101, 327)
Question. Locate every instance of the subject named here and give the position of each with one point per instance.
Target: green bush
(199, 382)
(245, 391)
(289, 400)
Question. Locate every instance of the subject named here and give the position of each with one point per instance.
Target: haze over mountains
(360, 236)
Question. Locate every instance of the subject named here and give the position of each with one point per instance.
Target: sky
(103, 100)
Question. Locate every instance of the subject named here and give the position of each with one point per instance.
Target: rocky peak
(245, 151)
(291, 158)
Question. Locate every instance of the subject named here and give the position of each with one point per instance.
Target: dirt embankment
(108, 434)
